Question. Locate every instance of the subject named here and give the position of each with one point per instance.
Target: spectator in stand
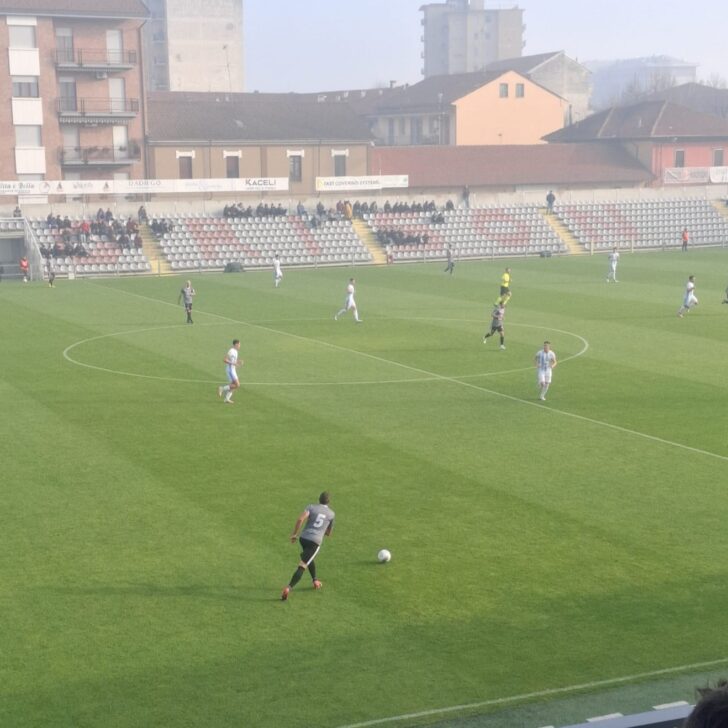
(348, 210)
(711, 710)
(123, 241)
(387, 207)
(320, 209)
(300, 209)
(66, 223)
(142, 215)
(17, 212)
(449, 206)
(685, 239)
(550, 199)
(25, 269)
(100, 215)
(466, 196)
(50, 220)
(137, 241)
(83, 231)
(373, 208)
(108, 215)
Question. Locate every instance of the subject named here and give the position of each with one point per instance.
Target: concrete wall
(568, 79)
(483, 117)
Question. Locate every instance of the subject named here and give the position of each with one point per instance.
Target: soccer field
(536, 546)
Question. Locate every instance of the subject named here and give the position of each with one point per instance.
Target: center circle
(425, 377)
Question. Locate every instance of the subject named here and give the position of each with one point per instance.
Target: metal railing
(97, 106)
(94, 58)
(98, 155)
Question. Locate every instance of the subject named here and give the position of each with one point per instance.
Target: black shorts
(499, 329)
(309, 549)
(188, 306)
(504, 290)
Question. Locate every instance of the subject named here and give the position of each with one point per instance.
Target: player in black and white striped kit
(319, 523)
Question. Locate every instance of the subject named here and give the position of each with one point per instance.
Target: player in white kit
(613, 260)
(231, 364)
(545, 361)
(277, 272)
(349, 303)
(690, 299)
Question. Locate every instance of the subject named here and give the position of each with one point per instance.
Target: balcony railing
(97, 107)
(100, 156)
(95, 59)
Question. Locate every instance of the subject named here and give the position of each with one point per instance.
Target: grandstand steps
(154, 254)
(365, 234)
(721, 206)
(567, 238)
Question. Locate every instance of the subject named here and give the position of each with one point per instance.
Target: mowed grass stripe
(529, 550)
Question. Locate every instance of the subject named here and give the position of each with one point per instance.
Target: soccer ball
(384, 556)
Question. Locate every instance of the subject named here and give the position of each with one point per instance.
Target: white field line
(344, 383)
(441, 377)
(538, 694)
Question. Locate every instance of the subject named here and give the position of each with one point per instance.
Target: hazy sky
(310, 45)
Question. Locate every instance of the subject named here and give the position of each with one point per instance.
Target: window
(416, 131)
(22, 36)
(520, 90)
(339, 165)
(25, 87)
(295, 168)
(718, 158)
(232, 167)
(27, 136)
(67, 90)
(503, 90)
(679, 157)
(185, 167)
(64, 45)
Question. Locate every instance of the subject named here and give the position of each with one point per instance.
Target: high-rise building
(72, 73)
(461, 36)
(194, 46)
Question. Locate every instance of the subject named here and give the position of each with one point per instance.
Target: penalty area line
(537, 694)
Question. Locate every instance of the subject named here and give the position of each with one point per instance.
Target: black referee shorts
(504, 290)
(309, 549)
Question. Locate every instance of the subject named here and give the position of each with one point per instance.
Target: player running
(231, 364)
(613, 260)
(496, 324)
(690, 299)
(319, 523)
(349, 303)
(545, 362)
(187, 293)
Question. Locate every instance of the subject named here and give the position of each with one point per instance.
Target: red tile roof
(79, 8)
(510, 165)
(646, 120)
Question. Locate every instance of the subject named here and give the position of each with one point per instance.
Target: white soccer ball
(384, 556)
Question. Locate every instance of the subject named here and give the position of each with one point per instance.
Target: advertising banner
(361, 184)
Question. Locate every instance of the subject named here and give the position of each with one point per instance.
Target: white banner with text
(361, 184)
(143, 186)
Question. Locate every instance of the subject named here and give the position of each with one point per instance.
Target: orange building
(502, 107)
(73, 74)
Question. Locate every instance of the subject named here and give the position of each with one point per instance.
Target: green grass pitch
(535, 546)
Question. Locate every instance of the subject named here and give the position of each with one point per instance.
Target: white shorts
(232, 374)
(349, 303)
(544, 375)
(277, 275)
(690, 300)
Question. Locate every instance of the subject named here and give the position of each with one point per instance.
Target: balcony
(96, 111)
(100, 156)
(94, 60)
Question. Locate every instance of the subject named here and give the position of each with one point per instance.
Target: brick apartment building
(72, 72)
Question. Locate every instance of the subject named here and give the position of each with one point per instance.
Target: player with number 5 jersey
(319, 520)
